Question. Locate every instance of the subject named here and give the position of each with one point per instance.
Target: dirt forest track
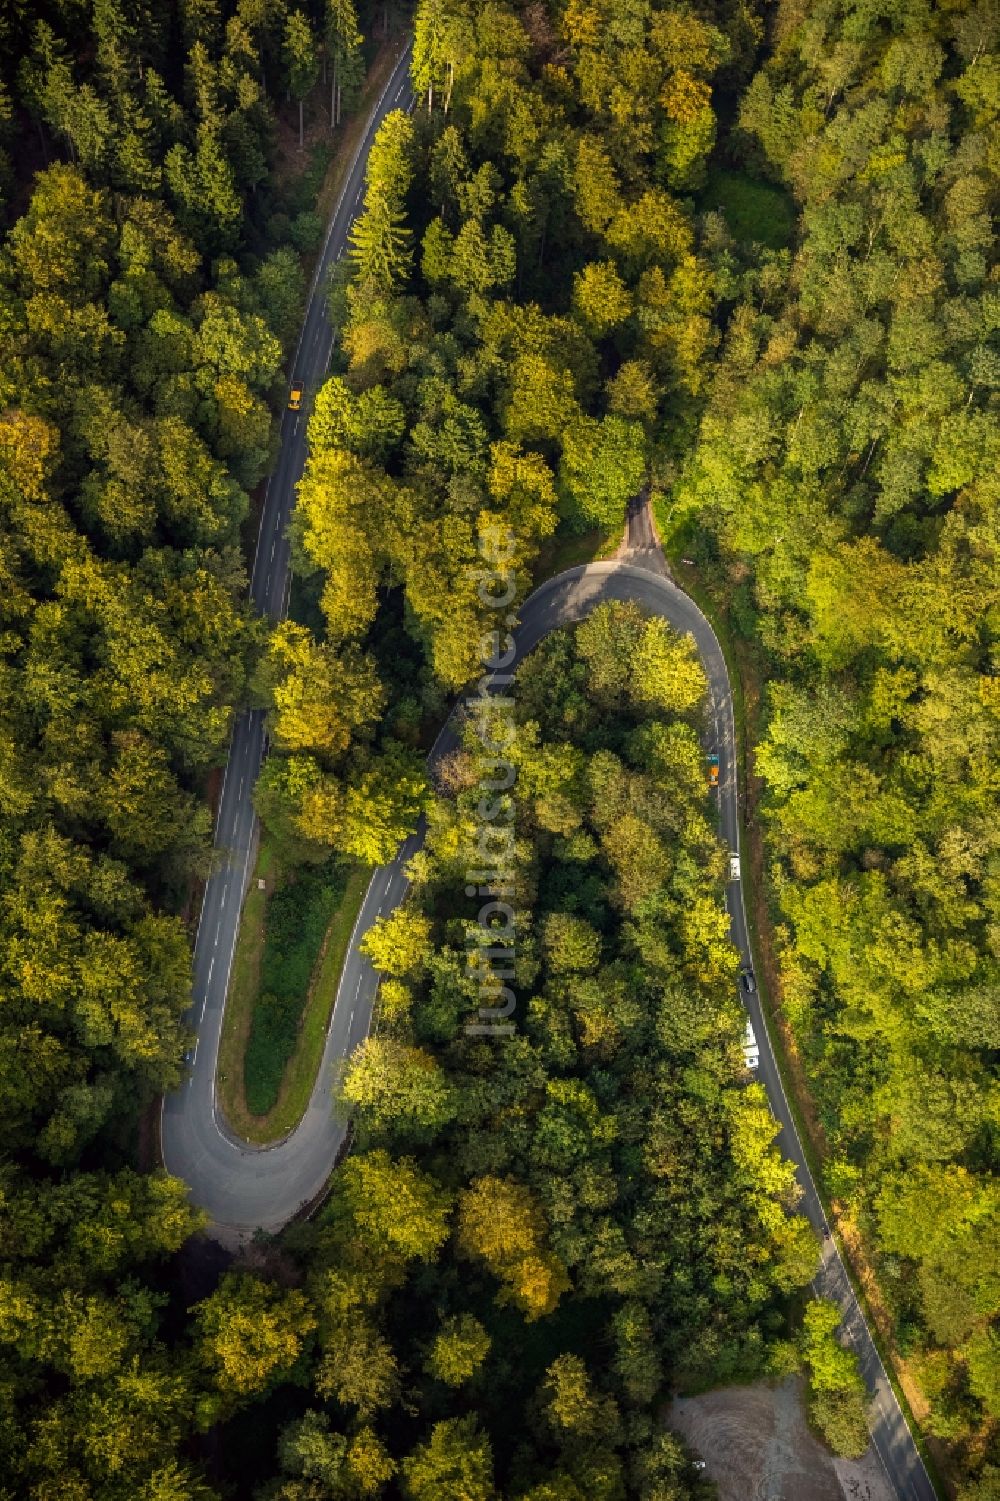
(244, 1188)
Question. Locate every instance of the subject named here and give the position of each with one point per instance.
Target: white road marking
(268, 519)
(223, 902)
(209, 981)
(241, 786)
(273, 545)
(858, 1325)
(350, 1024)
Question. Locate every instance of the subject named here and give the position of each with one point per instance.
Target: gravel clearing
(757, 1447)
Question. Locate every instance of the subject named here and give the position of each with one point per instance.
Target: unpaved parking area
(757, 1447)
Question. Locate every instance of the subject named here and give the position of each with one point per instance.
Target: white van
(734, 867)
(751, 1052)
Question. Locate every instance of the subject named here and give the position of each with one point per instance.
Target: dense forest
(846, 471)
(150, 277)
(525, 302)
(531, 1240)
(744, 254)
(551, 300)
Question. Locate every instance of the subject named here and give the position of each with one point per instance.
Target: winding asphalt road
(243, 1188)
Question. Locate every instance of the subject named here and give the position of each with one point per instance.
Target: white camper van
(751, 1052)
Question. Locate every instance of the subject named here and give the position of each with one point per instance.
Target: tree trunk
(333, 97)
(340, 104)
(301, 133)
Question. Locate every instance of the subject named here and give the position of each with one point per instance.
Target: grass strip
(299, 1080)
(295, 925)
(251, 963)
(244, 982)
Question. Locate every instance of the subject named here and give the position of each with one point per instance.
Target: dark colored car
(747, 981)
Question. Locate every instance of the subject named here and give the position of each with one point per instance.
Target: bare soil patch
(757, 1446)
